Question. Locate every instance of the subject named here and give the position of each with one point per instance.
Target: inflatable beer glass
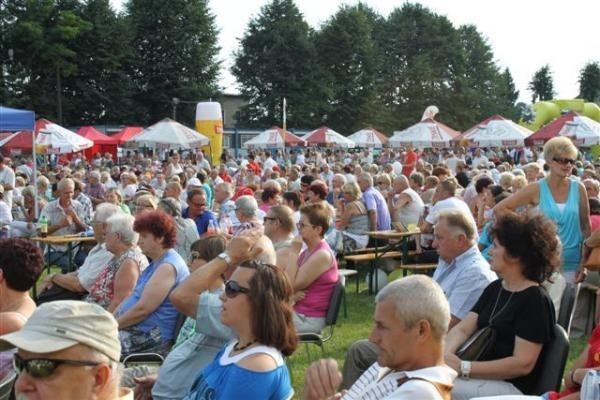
(209, 122)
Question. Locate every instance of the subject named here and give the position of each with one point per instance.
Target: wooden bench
(416, 268)
(371, 256)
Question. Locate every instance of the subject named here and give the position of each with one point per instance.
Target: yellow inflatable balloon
(209, 122)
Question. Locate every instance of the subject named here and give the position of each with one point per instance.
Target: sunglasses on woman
(42, 368)
(233, 289)
(564, 161)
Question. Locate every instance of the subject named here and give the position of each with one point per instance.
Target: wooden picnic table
(397, 246)
(71, 241)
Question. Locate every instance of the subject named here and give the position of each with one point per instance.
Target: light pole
(175, 101)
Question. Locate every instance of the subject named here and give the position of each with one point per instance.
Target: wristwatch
(225, 257)
(465, 369)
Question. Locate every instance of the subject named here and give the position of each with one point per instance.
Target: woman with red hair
(147, 318)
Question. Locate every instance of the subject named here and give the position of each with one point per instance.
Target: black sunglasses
(233, 289)
(42, 367)
(270, 218)
(564, 161)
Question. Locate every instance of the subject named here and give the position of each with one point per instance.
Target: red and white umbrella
(427, 133)
(328, 137)
(169, 134)
(368, 137)
(583, 131)
(496, 131)
(275, 137)
(53, 138)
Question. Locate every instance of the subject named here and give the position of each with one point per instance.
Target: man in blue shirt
(377, 209)
(198, 211)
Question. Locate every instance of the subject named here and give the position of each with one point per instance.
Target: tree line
(81, 62)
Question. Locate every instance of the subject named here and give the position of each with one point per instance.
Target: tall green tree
(350, 60)
(277, 59)
(542, 85)
(589, 82)
(174, 56)
(42, 35)
(483, 90)
(101, 90)
(422, 58)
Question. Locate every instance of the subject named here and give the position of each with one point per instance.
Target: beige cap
(59, 325)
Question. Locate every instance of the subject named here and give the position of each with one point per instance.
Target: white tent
(368, 137)
(495, 132)
(54, 139)
(169, 134)
(274, 138)
(324, 136)
(427, 133)
(583, 131)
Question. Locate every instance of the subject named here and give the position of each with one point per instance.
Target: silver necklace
(494, 314)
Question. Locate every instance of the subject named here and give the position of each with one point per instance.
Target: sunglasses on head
(233, 289)
(564, 161)
(42, 367)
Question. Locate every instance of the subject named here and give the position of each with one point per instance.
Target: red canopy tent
(102, 143)
(550, 130)
(127, 133)
(18, 143)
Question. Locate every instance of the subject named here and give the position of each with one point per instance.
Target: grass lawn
(357, 326)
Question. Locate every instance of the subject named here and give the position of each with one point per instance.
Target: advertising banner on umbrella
(495, 131)
(274, 138)
(425, 134)
(324, 136)
(369, 137)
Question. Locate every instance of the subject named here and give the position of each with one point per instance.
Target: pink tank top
(318, 293)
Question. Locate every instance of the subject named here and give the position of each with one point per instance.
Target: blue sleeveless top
(567, 222)
(165, 316)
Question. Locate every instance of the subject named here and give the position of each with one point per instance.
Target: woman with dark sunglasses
(256, 306)
(563, 200)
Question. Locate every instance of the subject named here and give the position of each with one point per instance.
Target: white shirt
(481, 160)
(378, 383)
(95, 262)
(269, 163)
(7, 175)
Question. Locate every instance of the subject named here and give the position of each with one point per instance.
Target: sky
(524, 34)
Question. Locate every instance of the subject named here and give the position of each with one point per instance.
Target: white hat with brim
(59, 325)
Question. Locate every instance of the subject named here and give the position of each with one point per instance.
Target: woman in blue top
(563, 200)
(147, 318)
(257, 308)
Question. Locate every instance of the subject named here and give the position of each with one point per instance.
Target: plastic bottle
(43, 226)
(226, 225)
(212, 228)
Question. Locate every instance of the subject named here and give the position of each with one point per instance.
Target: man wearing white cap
(67, 350)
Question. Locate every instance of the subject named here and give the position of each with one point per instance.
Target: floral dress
(103, 288)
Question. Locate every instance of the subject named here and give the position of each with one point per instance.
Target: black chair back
(335, 303)
(553, 359)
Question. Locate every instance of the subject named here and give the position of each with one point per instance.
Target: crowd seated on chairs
(148, 302)
(117, 280)
(147, 318)
(516, 307)
(313, 271)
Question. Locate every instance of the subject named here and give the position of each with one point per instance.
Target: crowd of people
(246, 254)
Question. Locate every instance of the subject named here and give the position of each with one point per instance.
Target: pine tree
(174, 56)
(541, 85)
(277, 59)
(589, 82)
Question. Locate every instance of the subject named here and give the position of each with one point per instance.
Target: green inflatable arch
(547, 111)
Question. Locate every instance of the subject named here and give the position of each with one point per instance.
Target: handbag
(593, 261)
(478, 346)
